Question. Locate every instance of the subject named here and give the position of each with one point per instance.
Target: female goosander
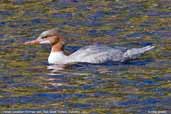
(87, 54)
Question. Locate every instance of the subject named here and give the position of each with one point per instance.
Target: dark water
(28, 83)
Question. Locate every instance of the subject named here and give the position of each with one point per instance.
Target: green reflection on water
(26, 65)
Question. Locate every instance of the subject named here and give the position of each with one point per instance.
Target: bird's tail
(136, 52)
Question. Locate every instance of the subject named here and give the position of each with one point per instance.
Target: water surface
(27, 82)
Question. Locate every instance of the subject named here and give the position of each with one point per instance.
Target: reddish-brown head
(49, 37)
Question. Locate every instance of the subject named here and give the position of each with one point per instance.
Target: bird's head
(47, 37)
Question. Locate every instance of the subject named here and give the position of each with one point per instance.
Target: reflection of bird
(88, 54)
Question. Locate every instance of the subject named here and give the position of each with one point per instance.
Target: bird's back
(97, 54)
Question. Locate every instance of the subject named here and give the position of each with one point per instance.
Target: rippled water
(141, 86)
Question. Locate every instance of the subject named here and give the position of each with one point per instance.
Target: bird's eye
(44, 36)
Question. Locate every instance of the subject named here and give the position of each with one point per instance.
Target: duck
(94, 54)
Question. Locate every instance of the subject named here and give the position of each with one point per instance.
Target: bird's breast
(57, 58)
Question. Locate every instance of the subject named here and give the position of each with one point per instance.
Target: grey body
(102, 53)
